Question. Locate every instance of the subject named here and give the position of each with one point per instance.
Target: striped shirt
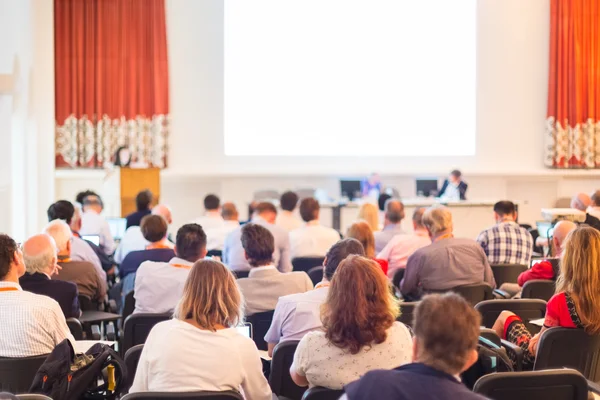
(32, 324)
(507, 243)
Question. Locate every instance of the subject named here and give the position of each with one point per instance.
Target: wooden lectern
(123, 184)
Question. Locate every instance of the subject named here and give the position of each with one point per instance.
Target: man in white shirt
(394, 214)
(211, 221)
(159, 285)
(32, 324)
(216, 236)
(297, 314)
(313, 239)
(594, 208)
(92, 223)
(133, 240)
(286, 219)
(265, 285)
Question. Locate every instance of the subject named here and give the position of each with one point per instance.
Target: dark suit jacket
(462, 189)
(65, 293)
(592, 221)
(135, 218)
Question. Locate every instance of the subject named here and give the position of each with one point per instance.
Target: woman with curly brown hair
(360, 332)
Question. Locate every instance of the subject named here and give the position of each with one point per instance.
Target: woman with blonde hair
(370, 214)
(360, 332)
(200, 349)
(362, 232)
(575, 304)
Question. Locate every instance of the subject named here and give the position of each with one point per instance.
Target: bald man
(40, 255)
(394, 214)
(581, 202)
(133, 240)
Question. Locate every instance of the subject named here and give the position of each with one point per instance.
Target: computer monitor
(92, 238)
(117, 227)
(427, 187)
(350, 189)
(545, 229)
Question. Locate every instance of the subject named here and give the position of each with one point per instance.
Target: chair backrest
(538, 289)
(261, 322)
(527, 309)
(507, 273)
(407, 309)
(228, 395)
(16, 374)
(33, 396)
(563, 384)
(472, 293)
(86, 303)
(280, 380)
(316, 274)
(490, 335)
(241, 274)
(128, 305)
(306, 263)
(397, 278)
(132, 358)
(75, 328)
(138, 326)
(214, 253)
(321, 393)
(569, 348)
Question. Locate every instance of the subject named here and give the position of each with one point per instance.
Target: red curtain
(573, 124)
(111, 77)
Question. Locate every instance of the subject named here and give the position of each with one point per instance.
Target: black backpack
(98, 374)
(492, 358)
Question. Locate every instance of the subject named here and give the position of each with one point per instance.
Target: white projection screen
(350, 77)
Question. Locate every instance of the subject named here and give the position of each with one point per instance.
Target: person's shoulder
(400, 329)
(41, 302)
(293, 298)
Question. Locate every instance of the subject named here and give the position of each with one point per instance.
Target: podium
(122, 185)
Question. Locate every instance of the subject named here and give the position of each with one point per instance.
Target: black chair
(86, 303)
(261, 322)
(132, 358)
(76, 328)
(490, 335)
(407, 309)
(215, 253)
(228, 395)
(138, 326)
(527, 309)
(16, 374)
(129, 305)
(538, 289)
(32, 396)
(472, 293)
(280, 380)
(563, 384)
(306, 263)
(241, 274)
(397, 278)
(504, 273)
(321, 393)
(316, 274)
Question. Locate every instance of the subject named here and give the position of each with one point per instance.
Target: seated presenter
(454, 188)
(371, 186)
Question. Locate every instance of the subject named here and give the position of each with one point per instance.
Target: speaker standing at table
(454, 188)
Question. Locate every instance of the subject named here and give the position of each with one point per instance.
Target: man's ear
(175, 251)
(245, 255)
(69, 246)
(204, 253)
(415, 349)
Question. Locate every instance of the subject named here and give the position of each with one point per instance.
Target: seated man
(506, 242)
(447, 262)
(594, 207)
(211, 220)
(582, 202)
(286, 219)
(313, 239)
(435, 368)
(143, 204)
(265, 214)
(159, 285)
(39, 252)
(454, 188)
(93, 223)
(265, 285)
(297, 314)
(392, 226)
(32, 324)
(402, 246)
(82, 273)
(216, 235)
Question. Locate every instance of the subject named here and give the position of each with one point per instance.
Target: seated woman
(369, 213)
(362, 232)
(575, 304)
(200, 349)
(360, 332)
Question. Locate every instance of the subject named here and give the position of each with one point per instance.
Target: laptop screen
(117, 227)
(92, 238)
(245, 330)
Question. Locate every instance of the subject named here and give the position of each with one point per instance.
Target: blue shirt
(133, 260)
(383, 237)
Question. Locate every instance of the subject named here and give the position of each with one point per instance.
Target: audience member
(201, 349)
(402, 246)
(286, 219)
(159, 285)
(394, 214)
(506, 242)
(81, 250)
(575, 304)
(82, 195)
(447, 262)
(233, 252)
(381, 200)
(212, 221)
(82, 273)
(39, 253)
(143, 204)
(454, 188)
(32, 324)
(92, 223)
(581, 202)
(369, 213)
(594, 208)
(265, 284)
(313, 239)
(217, 236)
(362, 232)
(371, 186)
(360, 332)
(440, 353)
(297, 314)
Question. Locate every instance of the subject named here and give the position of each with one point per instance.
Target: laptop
(246, 330)
(92, 238)
(545, 229)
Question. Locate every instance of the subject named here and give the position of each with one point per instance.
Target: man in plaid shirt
(506, 242)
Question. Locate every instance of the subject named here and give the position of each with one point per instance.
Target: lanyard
(8, 289)
(181, 266)
(64, 260)
(157, 246)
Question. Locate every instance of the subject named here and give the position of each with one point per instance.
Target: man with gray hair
(39, 253)
(447, 263)
(394, 214)
(581, 202)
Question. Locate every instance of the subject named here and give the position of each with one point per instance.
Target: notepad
(537, 322)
